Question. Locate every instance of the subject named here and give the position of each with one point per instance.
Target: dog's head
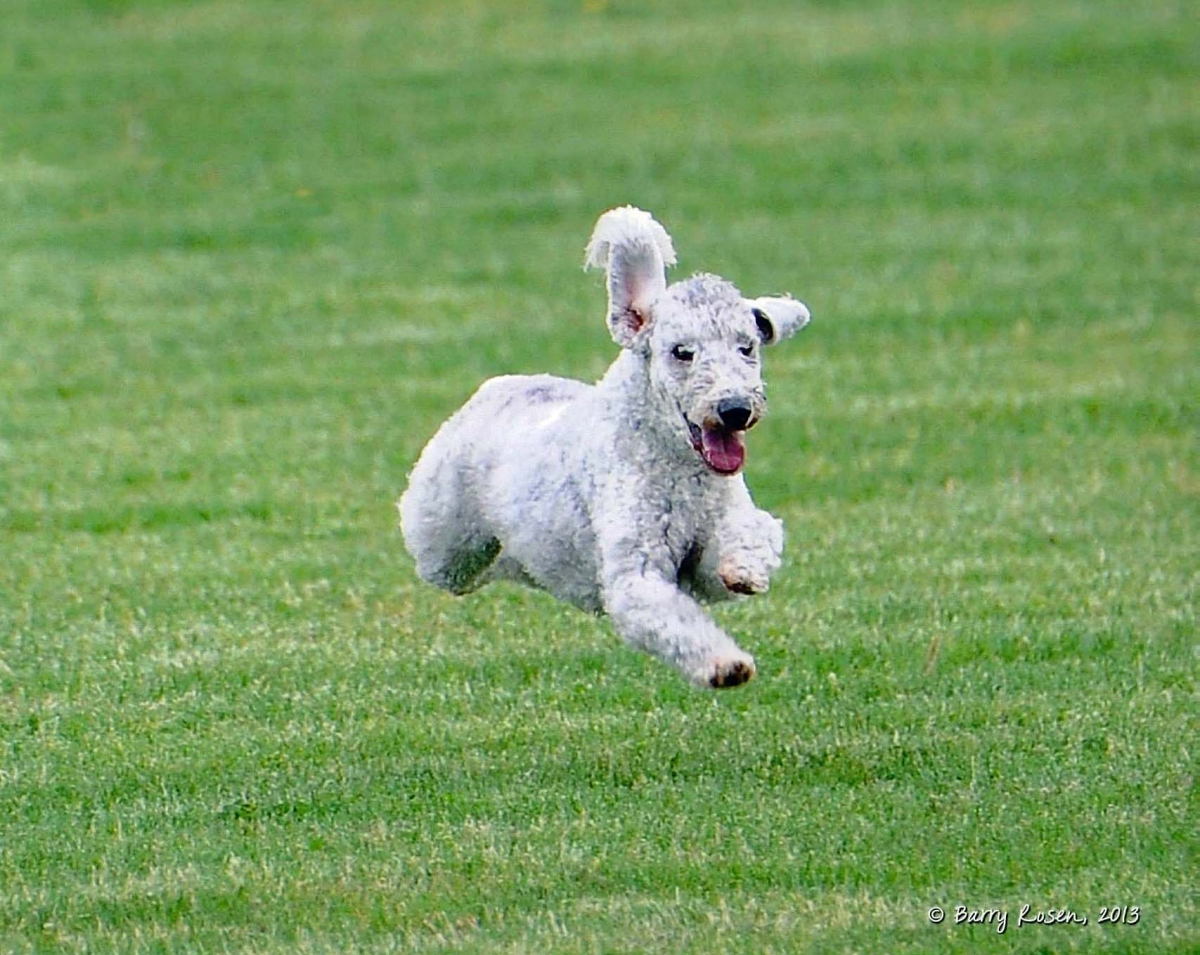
(701, 340)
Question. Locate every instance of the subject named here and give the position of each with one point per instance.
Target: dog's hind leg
(440, 518)
(457, 560)
(465, 569)
(451, 550)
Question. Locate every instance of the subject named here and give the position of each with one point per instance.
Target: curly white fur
(624, 497)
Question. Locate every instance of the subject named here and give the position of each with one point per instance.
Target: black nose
(734, 413)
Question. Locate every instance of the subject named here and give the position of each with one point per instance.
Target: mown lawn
(252, 252)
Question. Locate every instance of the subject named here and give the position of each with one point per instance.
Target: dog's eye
(679, 353)
(747, 350)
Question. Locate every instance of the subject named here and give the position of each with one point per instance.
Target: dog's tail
(635, 251)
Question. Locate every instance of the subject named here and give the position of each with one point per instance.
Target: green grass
(252, 253)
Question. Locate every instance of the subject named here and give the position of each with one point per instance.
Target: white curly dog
(623, 497)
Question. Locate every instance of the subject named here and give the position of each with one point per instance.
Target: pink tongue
(723, 450)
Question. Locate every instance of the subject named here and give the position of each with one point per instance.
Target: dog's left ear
(778, 317)
(635, 250)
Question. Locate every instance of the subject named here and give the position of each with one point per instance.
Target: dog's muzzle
(734, 413)
(719, 440)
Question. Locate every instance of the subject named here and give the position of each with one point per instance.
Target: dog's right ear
(635, 250)
(778, 317)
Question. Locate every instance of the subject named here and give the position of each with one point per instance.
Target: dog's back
(474, 490)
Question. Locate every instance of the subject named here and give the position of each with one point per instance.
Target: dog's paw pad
(744, 583)
(740, 581)
(747, 587)
(732, 673)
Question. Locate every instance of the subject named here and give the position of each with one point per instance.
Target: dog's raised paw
(731, 673)
(739, 579)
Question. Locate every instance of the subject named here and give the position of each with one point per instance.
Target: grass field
(252, 253)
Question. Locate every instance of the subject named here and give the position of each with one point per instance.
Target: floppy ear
(635, 250)
(778, 317)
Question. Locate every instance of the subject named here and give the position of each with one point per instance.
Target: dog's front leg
(744, 550)
(650, 611)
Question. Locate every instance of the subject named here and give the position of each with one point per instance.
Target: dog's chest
(684, 512)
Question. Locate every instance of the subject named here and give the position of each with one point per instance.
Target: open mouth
(721, 448)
